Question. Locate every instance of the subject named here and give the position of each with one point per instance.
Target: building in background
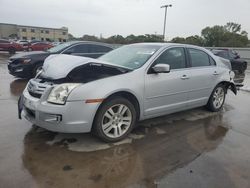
(24, 32)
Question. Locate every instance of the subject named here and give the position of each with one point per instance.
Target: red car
(9, 46)
(40, 46)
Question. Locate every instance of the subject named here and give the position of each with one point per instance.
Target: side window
(175, 57)
(81, 48)
(198, 58)
(98, 48)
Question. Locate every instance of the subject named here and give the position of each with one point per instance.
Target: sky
(125, 17)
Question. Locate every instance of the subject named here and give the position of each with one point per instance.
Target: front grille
(36, 87)
(36, 95)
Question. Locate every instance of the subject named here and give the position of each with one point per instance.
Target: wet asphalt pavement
(195, 148)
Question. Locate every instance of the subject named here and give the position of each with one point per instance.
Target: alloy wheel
(116, 121)
(218, 97)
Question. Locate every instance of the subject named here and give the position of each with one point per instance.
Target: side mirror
(161, 68)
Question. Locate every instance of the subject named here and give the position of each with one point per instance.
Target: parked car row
(108, 95)
(23, 45)
(10, 46)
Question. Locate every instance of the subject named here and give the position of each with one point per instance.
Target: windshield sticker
(151, 52)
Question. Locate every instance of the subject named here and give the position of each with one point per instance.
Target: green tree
(213, 35)
(233, 27)
(194, 40)
(179, 40)
(71, 37)
(116, 39)
(89, 38)
(229, 35)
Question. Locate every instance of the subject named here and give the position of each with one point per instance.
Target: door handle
(215, 73)
(184, 77)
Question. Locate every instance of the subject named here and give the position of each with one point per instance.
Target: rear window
(199, 58)
(212, 61)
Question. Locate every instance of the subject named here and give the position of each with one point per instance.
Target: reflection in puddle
(160, 148)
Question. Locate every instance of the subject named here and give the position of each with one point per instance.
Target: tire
(36, 70)
(217, 98)
(12, 51)
(110, 125)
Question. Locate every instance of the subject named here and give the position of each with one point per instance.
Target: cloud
(125, 17)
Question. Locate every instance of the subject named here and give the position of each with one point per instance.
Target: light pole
(165, 18)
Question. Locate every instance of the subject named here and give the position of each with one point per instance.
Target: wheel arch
(228, 85)
(127, 95)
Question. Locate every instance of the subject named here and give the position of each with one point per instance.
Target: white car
(135, 82)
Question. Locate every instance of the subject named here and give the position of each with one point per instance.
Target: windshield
(130, 56)
(60, 47)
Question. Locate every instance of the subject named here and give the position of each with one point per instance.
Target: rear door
(203, 76)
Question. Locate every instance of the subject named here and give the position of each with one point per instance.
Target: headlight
(60, 93)
(25, 61)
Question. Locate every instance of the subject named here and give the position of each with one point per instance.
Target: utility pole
(165, 19)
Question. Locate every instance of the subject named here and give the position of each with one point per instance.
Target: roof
(169, 44)
(91, 42)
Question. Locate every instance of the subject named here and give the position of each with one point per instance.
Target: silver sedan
(107, 96)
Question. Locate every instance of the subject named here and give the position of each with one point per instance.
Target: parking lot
(195, 148)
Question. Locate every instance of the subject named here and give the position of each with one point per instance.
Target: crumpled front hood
(59, 66)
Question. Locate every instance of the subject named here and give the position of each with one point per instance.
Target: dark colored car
(27, 64)
(40, 46)
(9, 46)
(237, 64)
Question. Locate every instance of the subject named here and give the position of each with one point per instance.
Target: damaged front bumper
(73, 117)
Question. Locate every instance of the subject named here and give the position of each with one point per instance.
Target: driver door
(167, 92)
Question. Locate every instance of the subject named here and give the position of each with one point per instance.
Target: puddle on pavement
(89, 143)
(154, 149)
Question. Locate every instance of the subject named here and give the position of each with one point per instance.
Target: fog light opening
(53, 118)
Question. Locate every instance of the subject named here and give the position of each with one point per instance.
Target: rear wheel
(115, 119)
(217, 98)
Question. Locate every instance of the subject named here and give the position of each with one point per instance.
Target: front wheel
(217, 98)
(115, 119)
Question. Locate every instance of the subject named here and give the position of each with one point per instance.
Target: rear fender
(232, 87)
